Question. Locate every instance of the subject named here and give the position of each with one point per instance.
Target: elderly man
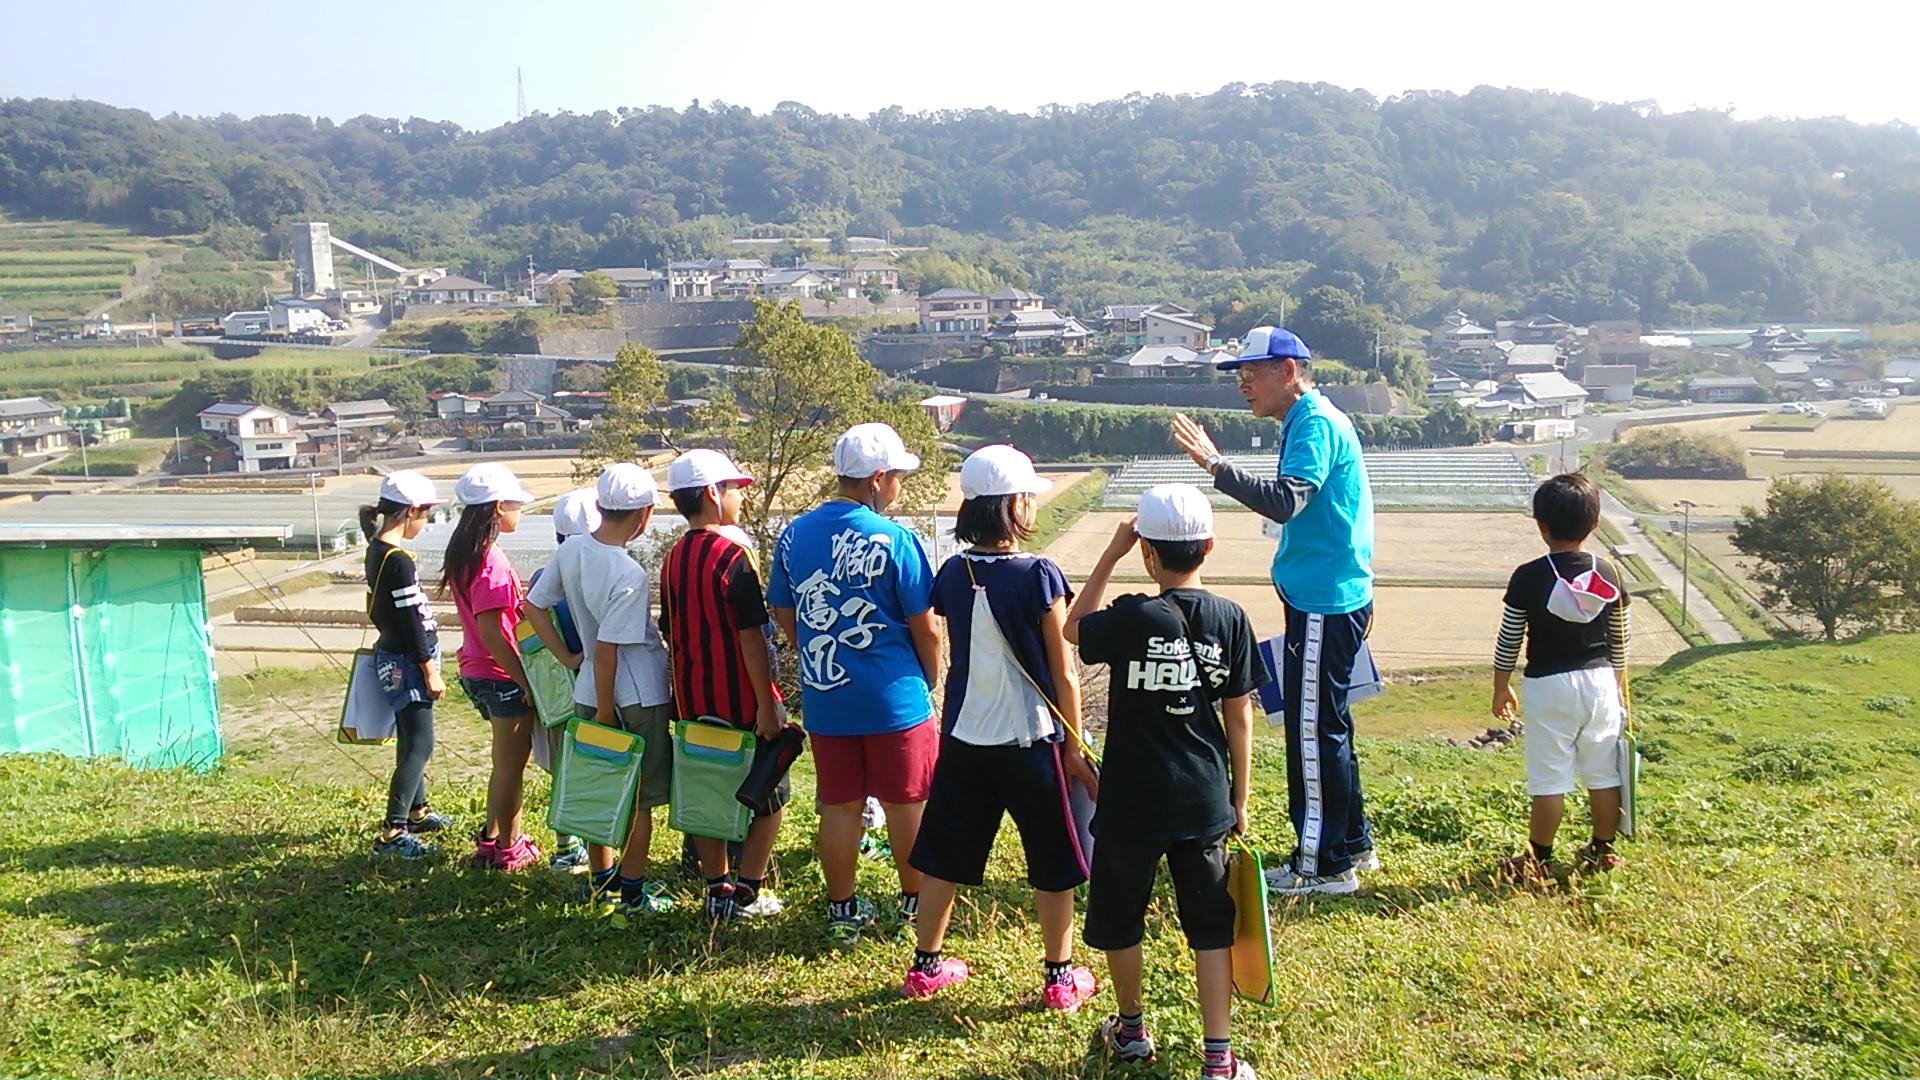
(1324, 576)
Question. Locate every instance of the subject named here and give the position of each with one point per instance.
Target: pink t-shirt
(493, 594)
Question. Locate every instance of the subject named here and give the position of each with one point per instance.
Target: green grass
(1729, 599)
(1668, 605)
(1767, 923)
(1066, 509)
(108, 461)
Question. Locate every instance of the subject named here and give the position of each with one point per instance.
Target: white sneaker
(1241, 1070)
(763, 906)
(1286, 882)
(1367, 862)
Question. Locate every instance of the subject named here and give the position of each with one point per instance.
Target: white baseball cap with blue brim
(1268, 343)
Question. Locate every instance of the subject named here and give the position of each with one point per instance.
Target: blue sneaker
(402, 846)
(428, 822)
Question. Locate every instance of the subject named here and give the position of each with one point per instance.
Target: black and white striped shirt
(1555, 645)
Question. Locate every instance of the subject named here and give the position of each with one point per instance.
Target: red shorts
(895, 767)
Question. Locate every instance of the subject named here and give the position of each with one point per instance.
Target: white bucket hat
(703, 468)
(575, 514)
(409, 488)
(866, 449)
(1174, 512)
(1000, 470)
(625, 486)
(490, 482)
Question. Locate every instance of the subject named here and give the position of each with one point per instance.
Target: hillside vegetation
(1500, 200)
(1767, 924)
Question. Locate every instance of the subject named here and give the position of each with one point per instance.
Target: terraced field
(63, 269)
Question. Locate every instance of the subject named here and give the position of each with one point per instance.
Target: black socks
(1059, 972)
(1542, 852)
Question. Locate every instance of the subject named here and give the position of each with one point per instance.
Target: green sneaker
(653, 900)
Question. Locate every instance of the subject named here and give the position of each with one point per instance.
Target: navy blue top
(1021, 587)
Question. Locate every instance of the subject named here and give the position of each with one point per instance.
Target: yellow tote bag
(1252, 940)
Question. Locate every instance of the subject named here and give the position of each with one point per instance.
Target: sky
(458, 61)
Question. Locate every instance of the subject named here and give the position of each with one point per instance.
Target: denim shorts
(401, 679)
(497, 699)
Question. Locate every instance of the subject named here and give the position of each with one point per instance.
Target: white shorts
(1573, 720)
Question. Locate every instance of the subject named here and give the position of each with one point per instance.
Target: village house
(1545, 393)
(246, 323)
(30, 427)
(1773, 342)
(689, 280)
(793, 284)
(290, 316)
(1458, 334)
(522, 410)
(634, 282)
(15, 323)
(371, 413)
(1039, 330)
(953, 311)
(540, 286)
(1713, 388)
(1007, 301)
(1618, 341)
(455, 407)
(865, 272)
(262, 436)
(1128, 322)
(1609, 382)
(1516, 359)
(1164, 328)
(1156, 362)
(1533, 330)
(454, 289)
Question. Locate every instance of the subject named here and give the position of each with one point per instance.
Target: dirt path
(143, 279)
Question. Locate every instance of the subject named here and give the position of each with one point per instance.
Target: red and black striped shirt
(709, 592)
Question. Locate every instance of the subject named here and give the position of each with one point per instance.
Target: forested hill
(1502, 201)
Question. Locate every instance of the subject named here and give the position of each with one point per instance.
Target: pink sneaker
(518, 855)
(920, 986)
(1068, 995)
(486, 853)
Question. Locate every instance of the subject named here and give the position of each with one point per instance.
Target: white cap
(703, 468)
(1000, 470)
(865, 449)
(1174, 512)
(575, 513)
(409, 488)
(490, 482)
(625, 486)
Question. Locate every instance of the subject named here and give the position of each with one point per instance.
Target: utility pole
(339, 452)
(313, 486)
(86, 470)
(520, 95)
(178, 457)
(1686, 553)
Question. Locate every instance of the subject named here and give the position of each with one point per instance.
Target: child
(406, 659)
(622, 663)
(1175, 778)
(574, 514)
(1011, 688)
(720, 635)
(1572, 611)
(486, 593)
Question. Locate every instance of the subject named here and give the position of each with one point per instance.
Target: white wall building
(262, 436)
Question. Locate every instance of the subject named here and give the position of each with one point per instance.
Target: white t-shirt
(610, 598)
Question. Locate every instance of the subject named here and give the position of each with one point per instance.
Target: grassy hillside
(80, 376)
(1768, 923)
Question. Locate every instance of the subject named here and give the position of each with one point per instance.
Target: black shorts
(1122, 886)
(973, 786)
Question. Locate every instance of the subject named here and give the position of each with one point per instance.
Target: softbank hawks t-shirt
(1164, 771)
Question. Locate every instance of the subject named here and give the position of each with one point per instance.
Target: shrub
(1798, 759)
(1891, 703)
(1668, 453)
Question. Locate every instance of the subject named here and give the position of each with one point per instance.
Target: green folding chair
(594, 782)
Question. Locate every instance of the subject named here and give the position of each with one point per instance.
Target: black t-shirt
(397, 603)
(1164, 772)
(1554, 645)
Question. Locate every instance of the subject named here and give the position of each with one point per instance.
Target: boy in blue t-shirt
(854, 593)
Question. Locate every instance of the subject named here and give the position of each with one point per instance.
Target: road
(1700, 611)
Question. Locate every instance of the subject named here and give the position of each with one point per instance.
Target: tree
(1841, 550)
(798, 386)
(448, 336)
(636, 384)
(560, 293)
(592, 291)
(1335, 323)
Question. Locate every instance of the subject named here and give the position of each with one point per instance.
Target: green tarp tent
(104, 642)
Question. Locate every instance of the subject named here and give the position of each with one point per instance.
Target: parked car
(1891, 391)
(1796, 408)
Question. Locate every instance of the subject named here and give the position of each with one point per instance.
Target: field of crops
(61, 269)
(80, 376)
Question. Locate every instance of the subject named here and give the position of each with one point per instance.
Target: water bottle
(770, 767)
